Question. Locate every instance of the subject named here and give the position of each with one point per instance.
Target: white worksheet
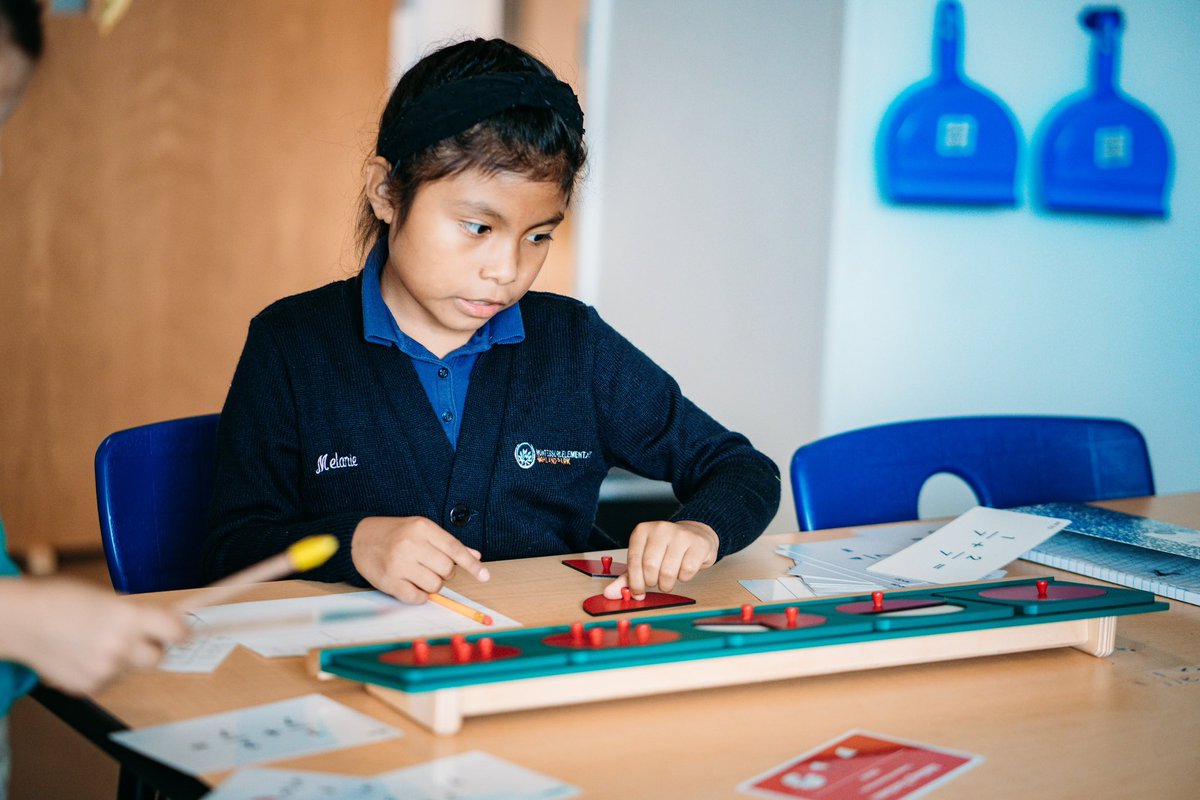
(292, 627)
(300, 726)
(971, 546)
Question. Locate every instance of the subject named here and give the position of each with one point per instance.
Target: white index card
(971, 546)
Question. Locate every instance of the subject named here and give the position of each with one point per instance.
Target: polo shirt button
(443, 372)
(447, 416)
(460, 515)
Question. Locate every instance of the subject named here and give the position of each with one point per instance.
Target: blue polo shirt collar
(379, 326)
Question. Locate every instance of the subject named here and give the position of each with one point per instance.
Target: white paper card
(309, 724)
(473, 775)
(199, 653)
(971, 546)
(256, 783)
(773, 590)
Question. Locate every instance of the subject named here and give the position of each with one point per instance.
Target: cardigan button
(460, 515)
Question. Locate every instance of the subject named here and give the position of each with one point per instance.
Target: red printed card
(860, 765)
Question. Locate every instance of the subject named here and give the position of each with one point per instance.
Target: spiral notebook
(1121, 548)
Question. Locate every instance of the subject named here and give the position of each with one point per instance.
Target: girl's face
(471, 246)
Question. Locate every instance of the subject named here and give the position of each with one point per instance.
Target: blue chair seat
(875, 474)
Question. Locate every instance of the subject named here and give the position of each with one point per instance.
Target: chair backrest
(876, 474)
(153, 486)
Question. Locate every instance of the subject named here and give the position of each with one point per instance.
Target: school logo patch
(527, 455)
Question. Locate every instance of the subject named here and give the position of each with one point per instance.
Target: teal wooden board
(538, 659)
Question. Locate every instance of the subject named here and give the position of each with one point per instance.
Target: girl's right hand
(410, 557)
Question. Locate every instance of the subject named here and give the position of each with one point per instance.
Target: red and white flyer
(859, 765)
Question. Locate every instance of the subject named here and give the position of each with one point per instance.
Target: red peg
(606, 564)
(420, 651)
(1041, 587)
(596, 637)
(626, 594)
(576, 633)
(747, 613)
(792, 614)
(623, 631)
(642, 633)
(460, 651)
(486, 646)
(877, 601)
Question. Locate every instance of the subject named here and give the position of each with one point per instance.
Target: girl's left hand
(662, 553)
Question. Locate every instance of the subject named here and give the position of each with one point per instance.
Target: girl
(432, 412)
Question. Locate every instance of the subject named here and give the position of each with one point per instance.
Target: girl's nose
(501, 264)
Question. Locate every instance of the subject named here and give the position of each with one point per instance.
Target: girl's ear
(376, 177)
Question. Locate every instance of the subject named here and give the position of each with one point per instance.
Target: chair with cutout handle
(875, 474)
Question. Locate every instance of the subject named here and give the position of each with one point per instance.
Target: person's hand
(410, 557)
(78, 637)
(663, 553)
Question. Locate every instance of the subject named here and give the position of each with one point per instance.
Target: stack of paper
(881, 559)
(839, 566)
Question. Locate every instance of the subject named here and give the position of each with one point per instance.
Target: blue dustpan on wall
(1104, 151)
(947, 139)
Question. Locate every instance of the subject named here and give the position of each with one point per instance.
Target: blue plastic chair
(875, 474)
(153, 486)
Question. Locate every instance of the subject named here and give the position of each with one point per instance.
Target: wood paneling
(553, 31)
(161, 185)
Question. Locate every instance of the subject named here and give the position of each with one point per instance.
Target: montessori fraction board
(439, 682)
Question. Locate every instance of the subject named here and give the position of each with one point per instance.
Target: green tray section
(538, 659)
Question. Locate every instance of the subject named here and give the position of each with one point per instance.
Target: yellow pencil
(466, 611)
(308, 553)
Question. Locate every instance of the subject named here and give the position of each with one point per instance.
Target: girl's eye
(476, 228)
(540, 238)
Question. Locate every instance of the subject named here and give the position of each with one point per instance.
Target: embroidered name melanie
(326, 461)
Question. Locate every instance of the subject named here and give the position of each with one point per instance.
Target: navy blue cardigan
(322, 429)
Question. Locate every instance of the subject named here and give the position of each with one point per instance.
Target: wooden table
(1055, 723)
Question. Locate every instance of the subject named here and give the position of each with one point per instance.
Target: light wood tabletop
(1049, 723)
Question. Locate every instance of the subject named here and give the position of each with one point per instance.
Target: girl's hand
(78, 637)
(661, 553)
(410, 557)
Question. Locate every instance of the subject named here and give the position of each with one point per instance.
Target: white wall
(949, 311)
(703, 227)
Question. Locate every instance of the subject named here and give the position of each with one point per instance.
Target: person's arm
(77, 637)
(255, 510)
(728, 491)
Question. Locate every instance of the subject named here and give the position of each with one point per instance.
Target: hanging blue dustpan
(947, 139)
(1104, 151)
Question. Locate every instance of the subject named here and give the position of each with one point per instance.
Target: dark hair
(534, 142)
(22, 21)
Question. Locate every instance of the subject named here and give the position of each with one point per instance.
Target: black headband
(454, 107)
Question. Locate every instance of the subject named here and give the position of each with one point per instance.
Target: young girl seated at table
(434, 413)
